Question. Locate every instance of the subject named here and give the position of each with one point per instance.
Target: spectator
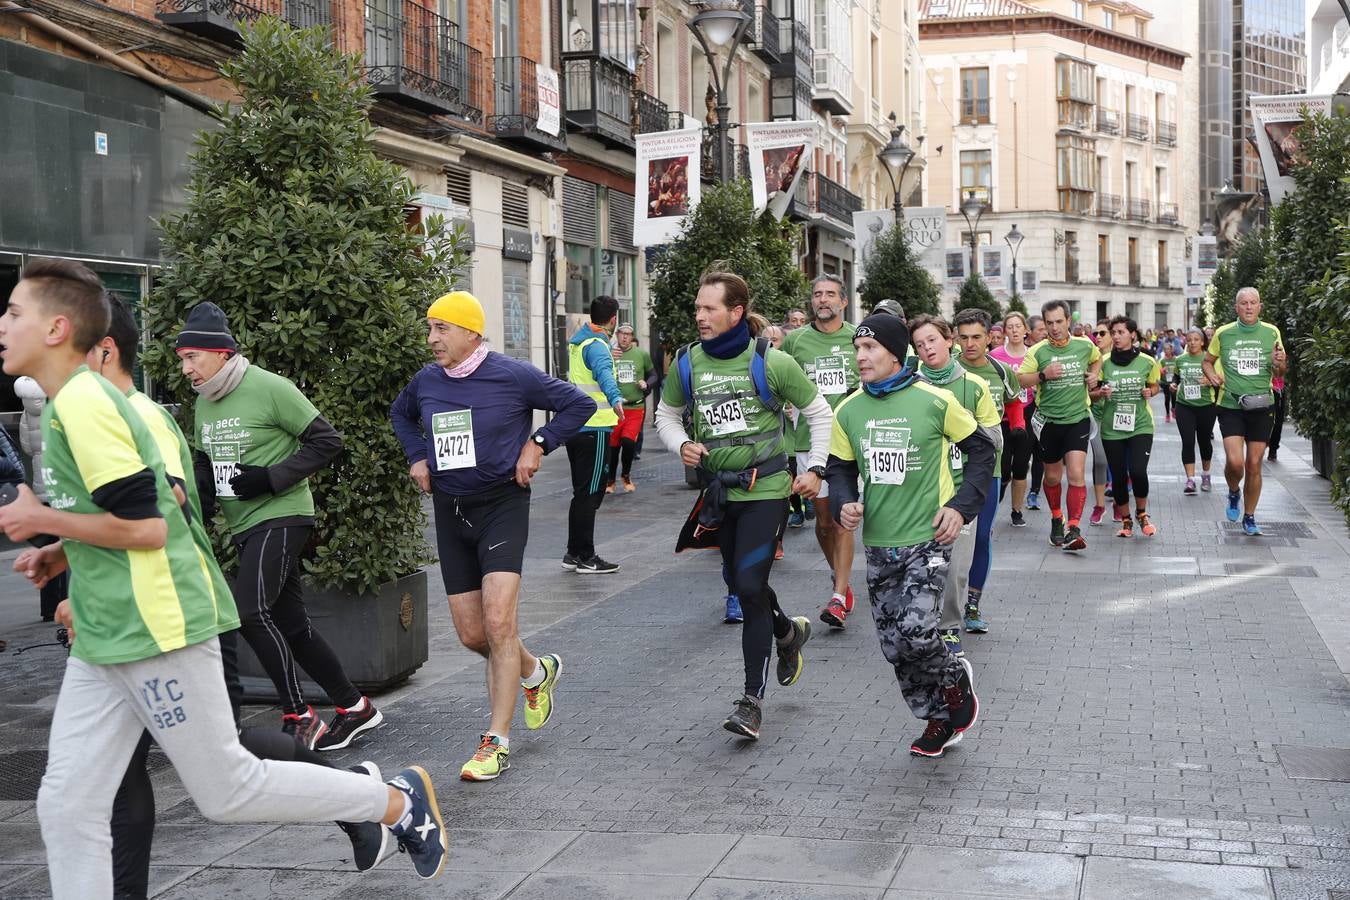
(30, 439)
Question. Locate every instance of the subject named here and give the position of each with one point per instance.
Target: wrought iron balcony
(1167, 214)
(675, 120)
(301, 13)
(652, 114)
(598, 97)
(1137, 210)
(516, 108)
(768, 28)
(818, 194)
(216, 20)
(1108, 206)
(795, 54)
(414, 57)
(1136, 127)
(1136, 275)
(1108, 120)
(1104, 271)
(1167, 133)
(751, 30)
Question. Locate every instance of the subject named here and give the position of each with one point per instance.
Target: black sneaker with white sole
(570, 562)
(370, 840)
(745, 718)
(421, 834)
(596, 566)
(936, 738)
(347, 724)
(963, 707)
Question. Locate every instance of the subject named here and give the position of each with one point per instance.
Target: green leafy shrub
(976, 294)
(893, 272)
(297, 230)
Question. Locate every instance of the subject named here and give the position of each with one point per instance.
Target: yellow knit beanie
(458, 308)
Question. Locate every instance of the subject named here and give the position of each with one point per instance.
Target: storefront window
(616, 279)
(580, 278)
(516, 308)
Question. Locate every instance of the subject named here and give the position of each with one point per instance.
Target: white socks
(536, 677)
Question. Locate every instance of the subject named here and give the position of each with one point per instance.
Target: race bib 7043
(1123, 420)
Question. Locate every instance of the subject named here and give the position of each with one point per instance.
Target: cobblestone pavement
(1148, 711)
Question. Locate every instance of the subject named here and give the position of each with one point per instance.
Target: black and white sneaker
(596, 566)
(935, 740)
(963, 707)
(570, 562)
(745, 718)
(347, 724)
(421, 834)
(1018, 520)
(370, 840)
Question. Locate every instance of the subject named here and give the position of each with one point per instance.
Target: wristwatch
(539, 439)
(818, 471)
(1041, 375)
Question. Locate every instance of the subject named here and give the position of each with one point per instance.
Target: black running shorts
(482, 533)
(1057, 440)
(1253, 425)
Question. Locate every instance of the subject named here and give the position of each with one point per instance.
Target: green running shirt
(1126, 413)
(1191, 391)
(1063, 400)
(975, 397)
(718, 416)
(830, 361)
(1245, 357)
(1002, 390)
(258, 423)
(902, 444)
(630, 367)
(127, 605)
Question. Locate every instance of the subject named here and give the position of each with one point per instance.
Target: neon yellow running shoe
(491, 760)
(539, 700)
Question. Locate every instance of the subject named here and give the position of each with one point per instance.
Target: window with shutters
(515, 205)
(620, 221)
(457, 186)
(580, 211)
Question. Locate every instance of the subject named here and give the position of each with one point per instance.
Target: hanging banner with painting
(668, 185)
(779, 153)
(1277, 118)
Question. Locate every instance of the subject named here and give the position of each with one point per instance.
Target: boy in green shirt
(146, 615)
(898, 433)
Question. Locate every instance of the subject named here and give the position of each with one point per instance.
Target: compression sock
(1077, 499)
(1052, 497)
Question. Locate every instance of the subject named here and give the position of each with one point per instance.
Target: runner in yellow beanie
(458, 308)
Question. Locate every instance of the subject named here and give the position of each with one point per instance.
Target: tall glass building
(1246, 47)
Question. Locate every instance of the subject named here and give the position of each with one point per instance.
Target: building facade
(1328, 39)
(1063, 118)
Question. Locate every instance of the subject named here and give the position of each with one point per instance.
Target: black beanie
(206, 329)
(888, 331)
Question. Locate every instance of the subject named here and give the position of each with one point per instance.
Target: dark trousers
(1128, 461)
(1196, 426)
(273, 619)
(1274, 442)
(586, 455)
(747, 538)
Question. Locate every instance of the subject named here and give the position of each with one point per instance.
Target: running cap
(458, 308)
(888, 331)
(890, 307)
(206, 328)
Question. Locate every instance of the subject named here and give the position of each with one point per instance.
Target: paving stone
(1128, 879)
(857, 863)
(551, 886)
(995, 873)
(642, 854)
(731, 889)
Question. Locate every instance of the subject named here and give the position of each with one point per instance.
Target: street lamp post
(721, 22)
(972, 208)
(897, 155)
(1014, 240)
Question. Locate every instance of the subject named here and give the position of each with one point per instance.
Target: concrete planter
(381, 638)
(1324, 453)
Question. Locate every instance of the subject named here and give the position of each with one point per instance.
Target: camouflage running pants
(905, 585)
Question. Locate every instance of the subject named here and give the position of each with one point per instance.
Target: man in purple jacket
(465, 422)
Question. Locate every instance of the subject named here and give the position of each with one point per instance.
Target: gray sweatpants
(958, 578)
(180, 698)
(905, 585)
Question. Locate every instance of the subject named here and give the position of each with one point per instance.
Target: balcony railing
(216, 20)
(1136, 127)
(1167, 214)
(1074, 114)
(1104, 271)
(795, 53)
(1108, 206)
(300, 13)
(598, 97)
(1108, 120)
(1167, 133)
(1137, 210)
(751, 30)
(413, 56)
(1136, 275)
(1164, 279)
(675, 120)
(768, 28)
(819, 194)
(652, 113)
(516, 111)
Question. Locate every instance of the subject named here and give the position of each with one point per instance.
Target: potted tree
(893, 272)
(298, 231)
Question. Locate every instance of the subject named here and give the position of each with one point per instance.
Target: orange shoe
(1147, 527)
(609, 488)
(1126, 527)
(628, 486)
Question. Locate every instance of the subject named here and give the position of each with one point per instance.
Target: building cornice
(498, 153)
(1056, 25)
(405, 148)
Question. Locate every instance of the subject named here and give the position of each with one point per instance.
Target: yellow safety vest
(580, 374)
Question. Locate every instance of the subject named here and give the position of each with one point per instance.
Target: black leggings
(1168, 400)
(1037, 465)
(1128, 461)
(272, 618)
(133, 816)
(748, 537)
(627, 451)
(1196, 424)
(1016, 453)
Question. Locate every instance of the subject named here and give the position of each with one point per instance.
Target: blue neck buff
(897, 382)
(729, 344)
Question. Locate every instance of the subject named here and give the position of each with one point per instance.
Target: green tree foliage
(723, 230)
(893, 272)
(1304, 288)
(1243, 269)
(1017, 304)
(297, 230)
(976, 294)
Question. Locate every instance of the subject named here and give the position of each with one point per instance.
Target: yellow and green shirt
(1191, 390)
(902, 443)
(1063, 400)
(830, 361)
(127, 604)
(1126, 413)
(1245, 355)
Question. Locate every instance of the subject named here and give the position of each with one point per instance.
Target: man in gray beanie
(897, 433)
(262, 439)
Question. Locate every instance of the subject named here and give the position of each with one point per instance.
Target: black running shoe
(1056, 532)
(570, 562)
(596, 566)
(745, 718)
(936, 738)
(423, 838)
(963, 707)
(305, 727)
(1073, 540)
(790, 660)
(370, 840)
(347, 724)
(1018, 520)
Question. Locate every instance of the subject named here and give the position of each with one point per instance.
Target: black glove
(251, 482)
